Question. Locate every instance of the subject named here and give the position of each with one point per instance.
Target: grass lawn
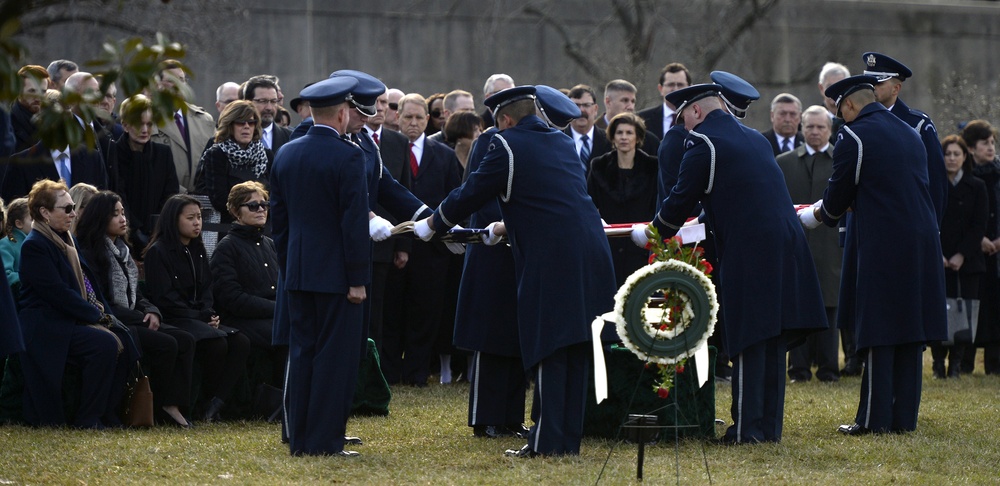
(425, 440)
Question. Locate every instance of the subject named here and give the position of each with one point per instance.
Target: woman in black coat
(622, 184)
(179, 283)
(168, 352)
(146, 173)
(962, 231)
(245, 268)
(238, 155)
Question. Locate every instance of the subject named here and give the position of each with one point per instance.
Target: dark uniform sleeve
(486, 183)
(692, 181)
(353, 195)
(398, 200)
(937, 176)
(843, 186)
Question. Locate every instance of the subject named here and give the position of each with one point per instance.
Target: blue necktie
(585, 151)
(784, 146)
(62, 165)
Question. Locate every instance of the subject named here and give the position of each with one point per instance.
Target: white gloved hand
(491, 238)
(423, 230)
(807, 216)
(456, 248)
(379, 228)
(639, 236)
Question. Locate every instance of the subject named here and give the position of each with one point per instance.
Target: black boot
(213, 409)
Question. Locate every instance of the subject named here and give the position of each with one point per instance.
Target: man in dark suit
(619, 97)
(28, 104)
(324, 264)
(807, 169)
(660, 118)
(434, 172)
(786, 114)
(729, 169)
(389, 257)
(533, 170)
(590, 142)
(41, 162)
(892, 318)
(263, 92)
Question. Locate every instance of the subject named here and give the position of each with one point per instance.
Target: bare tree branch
(713, 50)
(570, 46)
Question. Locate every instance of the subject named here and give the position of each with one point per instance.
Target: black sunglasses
(255, 206)
(69, 208)
(436, 113)
(393, 106)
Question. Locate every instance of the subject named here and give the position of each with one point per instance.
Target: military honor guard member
(880, 172)
(319, 207)
(498, 384)
(562, 261)
(730, 169)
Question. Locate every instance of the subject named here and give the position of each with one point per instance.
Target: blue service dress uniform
(562, 264)
(319, 209)
(881, 172)
(731, 170)
(486, 320)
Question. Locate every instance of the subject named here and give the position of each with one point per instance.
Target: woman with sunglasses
(64, 321)
(179, 283)
(238, 155)
(245, 267)
(146, 173)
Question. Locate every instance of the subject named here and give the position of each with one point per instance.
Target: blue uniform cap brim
(556, 107)
(884, 67)
(736, 92)
(366, 93)
(329, 92)
(845, 87)
(683, 97)
(508, 96)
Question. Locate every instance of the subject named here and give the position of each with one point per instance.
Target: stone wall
(432, 46)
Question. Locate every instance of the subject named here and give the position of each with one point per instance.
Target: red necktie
(413, 161)
(375, 137)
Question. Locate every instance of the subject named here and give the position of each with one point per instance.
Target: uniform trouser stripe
(739, 403)
(541, 415)
(868, 404)
(476, 377)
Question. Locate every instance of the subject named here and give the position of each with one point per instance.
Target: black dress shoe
(213, 409)
(491, 431)
(851, 371)
(519, 431)
(523, 453)
(347, 454)
(349, 440)
(853, 429)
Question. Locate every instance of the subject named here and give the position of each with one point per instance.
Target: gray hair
(786, 98)
(492, 80)
(58, 65)
(619, 85)
(833, 68)
(818, 110)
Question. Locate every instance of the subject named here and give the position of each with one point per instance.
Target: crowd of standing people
(300, 270)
